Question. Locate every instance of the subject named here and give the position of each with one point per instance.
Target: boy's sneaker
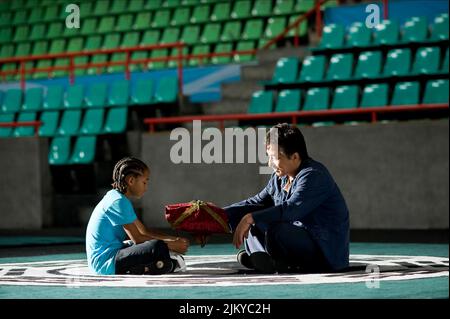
(178, 262)
(159, 267)
(244, 259)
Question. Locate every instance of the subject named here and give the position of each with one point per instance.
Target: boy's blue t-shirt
(105, 233)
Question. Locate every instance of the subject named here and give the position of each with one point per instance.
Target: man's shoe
(263, 263)
(244, 259)
(178, 261)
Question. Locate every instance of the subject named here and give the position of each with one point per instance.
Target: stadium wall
(25, 191)
(393, 175)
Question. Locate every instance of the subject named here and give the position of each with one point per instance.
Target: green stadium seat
(231, 31)
(101, 8)
(57, 46)
(142, 92)
(94, 42)
(222, 48)
(35, 15)
(74, 97)
(283, 7)
(12, 101)
(53, 99)
(49, 125)
(5, 17)
(143, 21)
(316, 99)
(427, 60)
(7, 51)
(89, 26)
(150, 37)
(106, 24)
(55, 30)
(38, 32)
(130, 39)
(6, 118)
(75, 44)
(70, 122)
(161, 53)
(23, 49)
(92, 123)
(174, 54)
(161, 19)
(6, 34)
(211, 33)
(96, 95)
(171, 3)
(439, 29)
(9, 67)
(166, 90)
(436, 92)
(40, 47)
(398, 62)
(200, 14)
(415, 30)
(25, 130)
(21, 33)
(170, 35)
(241, 9)
(375, 95)
(116, 120)
(369, 65)
(125, 22)
(244, 46)
(444, 67)
(111, 41)
(301, 30)
(340, 67)
(138, 55)
(253, 30)
(33, 99)
(406, 93)
(117, 57)
(119, 7)
(200, 49)
(275, 26)
(313, 68)
(221, 11)
(20, 17)
(345, 97)
(288, 101)
(59, 150)
(332, 36)
(261, 102)
(119, 93)
(359, 35)
(304, 5)
(138, 5)
(285, 70)
(181, 16)
(262, 8)
(190, 34)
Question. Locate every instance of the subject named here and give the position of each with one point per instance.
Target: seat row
(97, 95)
(350, 97)
(367, 65)
(389, 32)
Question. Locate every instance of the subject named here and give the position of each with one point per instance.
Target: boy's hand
(179, 245)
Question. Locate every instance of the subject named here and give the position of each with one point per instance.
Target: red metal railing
(294, 116)
(35, 124)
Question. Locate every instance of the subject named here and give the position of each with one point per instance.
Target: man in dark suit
(299, 222)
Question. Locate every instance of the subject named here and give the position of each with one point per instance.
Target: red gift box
(198, 217)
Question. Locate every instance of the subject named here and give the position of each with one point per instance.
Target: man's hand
(179, 245)
(242, 229)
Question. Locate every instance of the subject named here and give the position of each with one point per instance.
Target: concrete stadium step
(228, 106)
(272, 56)
(261, 72)
(240, 90)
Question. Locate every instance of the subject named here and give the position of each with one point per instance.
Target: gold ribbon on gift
(197, 205)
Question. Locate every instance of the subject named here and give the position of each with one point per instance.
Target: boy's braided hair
(126, 166)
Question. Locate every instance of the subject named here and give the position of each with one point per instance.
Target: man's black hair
(290, 140)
